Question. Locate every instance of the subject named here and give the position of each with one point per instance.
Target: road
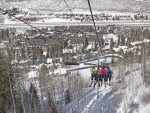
(51, 24)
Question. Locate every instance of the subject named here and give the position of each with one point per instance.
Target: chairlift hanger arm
(76, 63)
(81, 68)
(71, 63)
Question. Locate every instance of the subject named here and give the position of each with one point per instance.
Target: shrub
(67, 96)
(145, 99)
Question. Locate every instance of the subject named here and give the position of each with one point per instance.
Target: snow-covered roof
(109, 36)
(19, 15)
(17, 48)
(44, 53)
(54, 20)
(67, 50)
(50, 73)
(2, 45)
(24, 9)
(124, 48)
(14, 61)
(112, 55)
(23, 61)
(5, 41)
(60, 71)
(61, 59)
(140, 42)
(49, 60)
(106, 47)
(33, 74)
(89, 47)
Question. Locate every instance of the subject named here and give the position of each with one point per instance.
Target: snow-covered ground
(136, 94)
(128, 99)
(129, 96)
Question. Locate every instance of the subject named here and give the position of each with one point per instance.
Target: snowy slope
(59, 5)
(89, 103)
(129, 96)
(136, 95)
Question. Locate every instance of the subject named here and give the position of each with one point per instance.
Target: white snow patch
(44, 53)
(121, 48)
(110, 36)
(68, 50)
(19, 15)
(60, 71)
(140, 42)
(14, 61)
(23, 61)
(134, 92)
(54, 20)
(111, 55)
(5, 42)
(89, 47)
(85, 72)
(33, 74)
(2, 45)
(49, 60)
(145, 109)
(86, 109)
(103, 91)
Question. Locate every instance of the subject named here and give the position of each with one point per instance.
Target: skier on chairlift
(97, 78)
(108, 75)
(102, 76)
(93, 75)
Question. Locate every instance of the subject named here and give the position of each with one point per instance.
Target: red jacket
(102, 71)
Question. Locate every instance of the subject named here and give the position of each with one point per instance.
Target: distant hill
(59, 5)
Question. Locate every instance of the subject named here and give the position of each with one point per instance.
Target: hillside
(59, 5)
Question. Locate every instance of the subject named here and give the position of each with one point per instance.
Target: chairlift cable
(95, 31)
(20, 19)
(70, 10)
(25, 22)
(93, 21)
(97, 38)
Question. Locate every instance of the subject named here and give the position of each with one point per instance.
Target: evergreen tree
(4, 83)
(135, 17)
(111, 45)
(51, 105)
(43, 84)
(146, 33)
(123, 40)
(23, 53)
(67, 96)
(34, 100)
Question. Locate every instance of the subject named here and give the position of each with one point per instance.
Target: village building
(49, 48)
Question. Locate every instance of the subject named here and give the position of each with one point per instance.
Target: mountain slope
(59, 5)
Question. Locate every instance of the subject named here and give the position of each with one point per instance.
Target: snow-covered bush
(145, 98)
(67, 96)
